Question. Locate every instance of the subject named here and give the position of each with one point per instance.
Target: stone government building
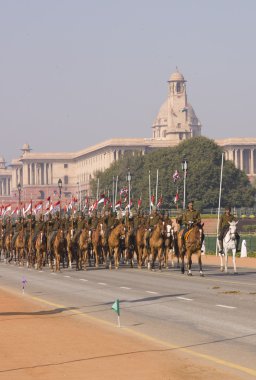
(38, 173)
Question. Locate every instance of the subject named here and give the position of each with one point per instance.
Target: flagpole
(221, 175)
(149, 191)
(98, 186)
(30, 244)
(116, 190)
(113, 194)
(156, 185)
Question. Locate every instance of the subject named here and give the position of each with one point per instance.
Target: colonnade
(243, 158)
(5, 186)
(34, 173)
(38, 174)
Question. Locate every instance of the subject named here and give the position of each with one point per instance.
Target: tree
(203, 175)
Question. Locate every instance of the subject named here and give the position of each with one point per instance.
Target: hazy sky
(77, 72)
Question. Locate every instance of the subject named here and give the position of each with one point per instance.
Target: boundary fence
(210, 243)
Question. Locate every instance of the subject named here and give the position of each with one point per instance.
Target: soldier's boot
(221, 247)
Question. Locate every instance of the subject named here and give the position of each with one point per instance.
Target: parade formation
(101, 238)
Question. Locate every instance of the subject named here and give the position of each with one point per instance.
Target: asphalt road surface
(211, 318)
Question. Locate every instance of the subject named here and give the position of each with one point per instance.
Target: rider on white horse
(225, 219)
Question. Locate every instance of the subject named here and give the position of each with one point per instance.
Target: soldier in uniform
(39, 227)
(54, 226)
(189, 218)
(225, 219)
(80, 225)
(152, 220)
(111, 222)
(16, 227)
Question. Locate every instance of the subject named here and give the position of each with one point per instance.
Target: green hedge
(210, 244)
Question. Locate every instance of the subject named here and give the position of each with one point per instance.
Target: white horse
(229, 243)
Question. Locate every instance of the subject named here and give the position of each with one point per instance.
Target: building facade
(38, 173)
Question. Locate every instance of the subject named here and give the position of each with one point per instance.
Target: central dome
(176, 76)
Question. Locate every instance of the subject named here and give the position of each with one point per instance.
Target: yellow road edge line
(211, 358)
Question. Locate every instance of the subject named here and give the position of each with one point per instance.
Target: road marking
(148, 291)
(184, 298)
(82, 279)
(67, 276)
(52, 273)
(124, 287)
(227, 307)
(213, 359)
(101, 283)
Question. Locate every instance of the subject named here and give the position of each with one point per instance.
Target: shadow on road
(174, 348)
(42, 312)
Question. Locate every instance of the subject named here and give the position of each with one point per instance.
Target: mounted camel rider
(188, 219)
(225, 219)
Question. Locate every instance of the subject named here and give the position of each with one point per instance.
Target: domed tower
(25, 149)
(176, 119)
(2, 163)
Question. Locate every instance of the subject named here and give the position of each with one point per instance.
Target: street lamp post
(184, 166)
(128, 178)
(19, 192)
(60, 188)
(79, 195)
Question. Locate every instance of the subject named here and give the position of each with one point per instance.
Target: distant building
(176, 120)
(38, 173)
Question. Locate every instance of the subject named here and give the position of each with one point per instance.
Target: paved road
(213, 316)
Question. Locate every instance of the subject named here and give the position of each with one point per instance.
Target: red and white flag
(118, 204)
(38, 206)
(127, 206)
(152, 200)
(15, 211)
(102, 199)
(176, 198)
(7, 209)
(175, 176)
(139, 203)
(95, 205)
(124, 191)
(48, 203)
(29, 208)
(160, 201)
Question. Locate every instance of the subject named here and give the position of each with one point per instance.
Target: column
(29, 175)
(21, 176)
(33, 174)
(241, 159)
(236, 162)
(25, 174)
(251, 171)
(1, 192)
(51, 175)
(45, 175)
